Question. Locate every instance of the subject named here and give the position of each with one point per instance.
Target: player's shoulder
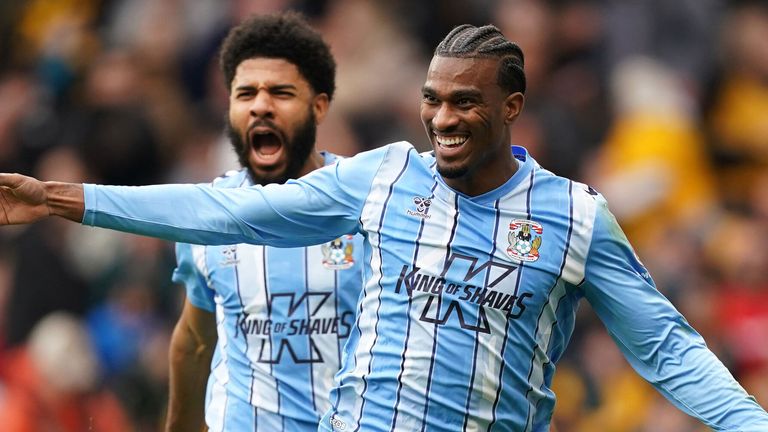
(582, 194)
(585, 191)
(391, 155)
(330, 158)
(405, 150)
(403, 155)
(232, 179)
(543, 178)
(586, 201)
(554, 183)
(394, 147)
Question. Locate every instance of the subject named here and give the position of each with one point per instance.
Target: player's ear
(320, 105)
(513, 106)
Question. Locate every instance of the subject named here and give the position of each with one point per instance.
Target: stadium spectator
(428, 220)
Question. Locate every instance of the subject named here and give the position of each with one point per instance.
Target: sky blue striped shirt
(283, 316)
(468, 302)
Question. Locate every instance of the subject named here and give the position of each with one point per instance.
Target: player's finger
(12, 180)
(28, 189)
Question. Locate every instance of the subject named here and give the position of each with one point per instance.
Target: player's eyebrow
(278, 87)
(466, 94)
(274, 87)
(454, 95)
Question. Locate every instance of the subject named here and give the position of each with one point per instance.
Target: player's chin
(268, 172)
(451, 170)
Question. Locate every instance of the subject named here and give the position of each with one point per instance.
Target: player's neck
(314, 161)
(484, 179)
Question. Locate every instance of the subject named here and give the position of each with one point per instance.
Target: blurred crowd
(660, 105)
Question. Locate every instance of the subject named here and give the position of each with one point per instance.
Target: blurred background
(660, 105)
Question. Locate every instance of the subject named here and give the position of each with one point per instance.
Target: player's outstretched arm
(656, 339)
(26, 199)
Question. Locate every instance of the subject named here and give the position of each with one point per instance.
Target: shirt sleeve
(656, 339)
(188, 274)
(313, 209)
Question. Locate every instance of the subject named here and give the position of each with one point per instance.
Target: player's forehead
(265, 71)
(459, 74)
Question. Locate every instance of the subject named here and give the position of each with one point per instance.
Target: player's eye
(429, 99)
(283, 93)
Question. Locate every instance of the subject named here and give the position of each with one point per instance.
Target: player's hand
(22, 199)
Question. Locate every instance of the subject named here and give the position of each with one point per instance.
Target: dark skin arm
(190, 353)
(25, 200)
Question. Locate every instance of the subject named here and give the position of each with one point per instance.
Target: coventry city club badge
(524, 244)
(337, 255)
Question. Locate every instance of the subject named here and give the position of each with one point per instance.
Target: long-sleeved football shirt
(468, 301)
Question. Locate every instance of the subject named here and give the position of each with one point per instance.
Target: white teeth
(267, 156)
(450, 141)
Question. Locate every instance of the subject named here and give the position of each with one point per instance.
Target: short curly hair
(285, 36)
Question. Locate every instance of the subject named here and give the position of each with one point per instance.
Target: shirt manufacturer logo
(230, 256)
(337, 423)
(422, 207)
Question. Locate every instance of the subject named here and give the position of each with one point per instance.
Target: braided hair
(468, 41)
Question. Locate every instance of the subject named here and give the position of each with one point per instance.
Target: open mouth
(266, 143)
(450, 142)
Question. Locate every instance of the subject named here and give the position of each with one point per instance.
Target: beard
(298, 149)
(452, 173)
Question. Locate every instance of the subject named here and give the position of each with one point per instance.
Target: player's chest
(453, 234)
(259, 279)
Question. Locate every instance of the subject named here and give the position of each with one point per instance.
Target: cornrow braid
(468, 41)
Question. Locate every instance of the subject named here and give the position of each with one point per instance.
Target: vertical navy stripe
(223, 323)
(528, 416)
(309, 338)
(506, 326)
(245, 179)
(568, 238)
(242, 308)
(436, 326)
(337, 390)
(408, 325)
(381, 288)
(269, 314)
(208, 280)
(477, 334)
(559, 302)
(336, 312)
